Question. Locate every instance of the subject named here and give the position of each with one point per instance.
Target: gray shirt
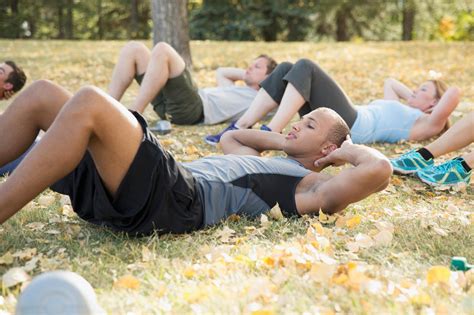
(245, 185)
(225, 103)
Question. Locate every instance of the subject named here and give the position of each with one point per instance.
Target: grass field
(384, 255)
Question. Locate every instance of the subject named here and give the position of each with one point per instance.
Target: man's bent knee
(162, 48)
(134, 46)
(42, 85)
(86, 99)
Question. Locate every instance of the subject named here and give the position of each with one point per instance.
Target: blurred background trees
(267, 20)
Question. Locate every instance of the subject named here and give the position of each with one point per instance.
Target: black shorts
(156, 194)
(179, 100)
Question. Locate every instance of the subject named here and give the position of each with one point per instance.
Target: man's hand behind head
(7, 94)
(337, 157)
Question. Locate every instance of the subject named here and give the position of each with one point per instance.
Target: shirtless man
(122, 178)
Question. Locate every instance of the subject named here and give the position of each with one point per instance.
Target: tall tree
(170, 24)
(100, 20)
(69, 19)
(60, 7)
(408, 19)
(134, 19)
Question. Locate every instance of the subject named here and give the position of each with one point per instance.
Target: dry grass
(245, 266)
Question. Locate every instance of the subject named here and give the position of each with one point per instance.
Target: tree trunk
(14, 9)
(100, 21)
(14, 6)
(60, 5)
(69, 20)
(342, 34)
(170, 24)
(134, 19)
(408, 20)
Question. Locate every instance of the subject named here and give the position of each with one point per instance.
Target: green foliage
(251, 20)
(242, 20)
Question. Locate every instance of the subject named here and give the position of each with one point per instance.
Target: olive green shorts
(178, 101)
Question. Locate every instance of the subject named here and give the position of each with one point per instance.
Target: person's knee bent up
(84, 108)
(305, 64)
(161, 50)
(283, 67)
(133, 47)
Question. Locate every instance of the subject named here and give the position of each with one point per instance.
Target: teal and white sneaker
(449, 173)
(410, 163)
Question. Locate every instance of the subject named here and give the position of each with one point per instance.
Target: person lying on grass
(304, 86)
(450, 173)
(166, 83)
(12, 79)
(122, 178)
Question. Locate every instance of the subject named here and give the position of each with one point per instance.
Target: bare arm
(371, 173)
(228, 76)
(434, 123)
(395, 90)
(446, 105)
(250, 142)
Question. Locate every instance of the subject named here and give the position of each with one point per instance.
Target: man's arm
(395, 90)
(250, 142)
(227, 76)
(370, 174)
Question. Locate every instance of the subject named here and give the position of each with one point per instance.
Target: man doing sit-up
(123, 179)
(12, 79)
(166, 83)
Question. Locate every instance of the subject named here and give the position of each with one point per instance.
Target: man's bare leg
(133, 59)
(469, 158)
(165, 63)
(88, 121)
(289, 106)
(33, 110)
(261, 105)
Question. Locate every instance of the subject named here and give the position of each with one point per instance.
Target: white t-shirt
(225, 103)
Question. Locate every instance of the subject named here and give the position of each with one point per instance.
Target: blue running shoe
(265, 128)
(449, 173)
(410, 163)
(214, 139)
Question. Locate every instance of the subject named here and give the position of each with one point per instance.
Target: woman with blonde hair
(304, 86)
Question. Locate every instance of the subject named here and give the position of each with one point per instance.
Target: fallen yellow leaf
(438, 274)
(127, 282)
(324, 218)
(189, 272)
(354, 221)
(421, 299)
